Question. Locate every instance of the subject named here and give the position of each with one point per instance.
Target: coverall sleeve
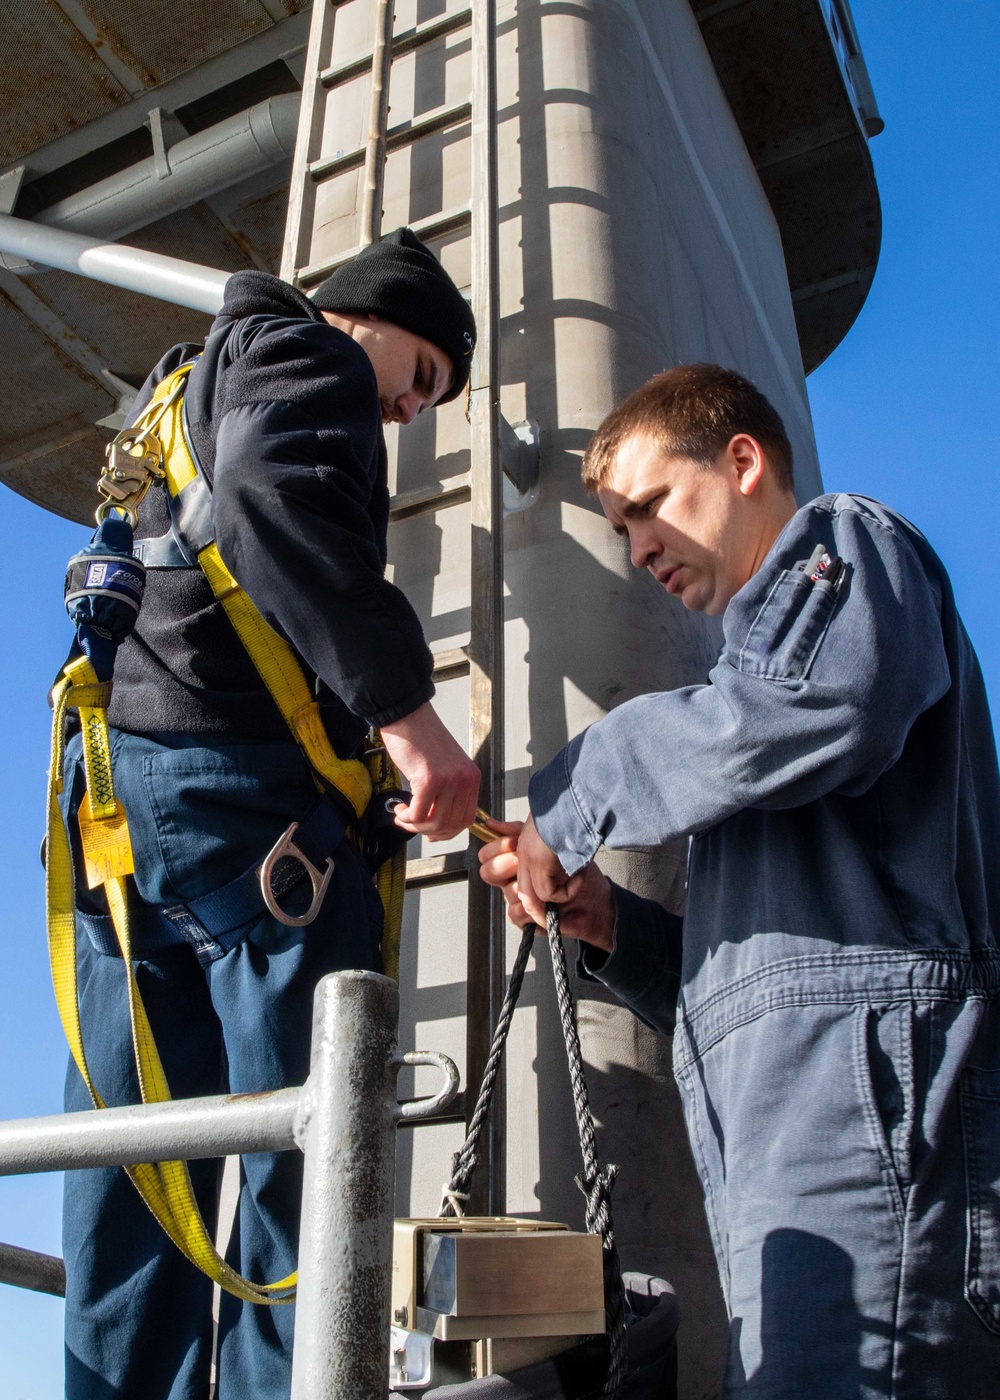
(643, 968)
(815, 691)
(296, 469)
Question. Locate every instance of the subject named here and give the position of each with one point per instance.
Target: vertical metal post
(347, 1129)
(486, 910)
(378, 121)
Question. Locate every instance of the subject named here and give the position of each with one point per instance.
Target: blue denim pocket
(786, 634)
(213, 812)
(980, 1098)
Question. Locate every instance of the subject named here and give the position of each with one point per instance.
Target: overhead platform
(795, 78)
(77, 117)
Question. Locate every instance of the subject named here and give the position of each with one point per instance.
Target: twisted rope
(596, 1182)
(466, 1159)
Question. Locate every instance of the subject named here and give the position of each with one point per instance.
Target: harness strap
(274, 659)
(215, 922)
(164, 1186)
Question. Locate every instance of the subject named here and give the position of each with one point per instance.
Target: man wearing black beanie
(402, 281)
(284, 410)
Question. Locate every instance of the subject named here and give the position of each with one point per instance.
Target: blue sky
(904, 411)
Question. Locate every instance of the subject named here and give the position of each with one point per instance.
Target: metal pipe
(348, 1123)
(243, 145)
(153, 274)
(185, 1129)
(378, 121)
(25, 1269)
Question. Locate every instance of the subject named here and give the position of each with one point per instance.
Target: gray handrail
(153, 274)
(344, 1119)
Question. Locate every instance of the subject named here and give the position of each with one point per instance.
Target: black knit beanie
(401, 279)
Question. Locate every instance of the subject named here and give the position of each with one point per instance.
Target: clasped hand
(531, 876)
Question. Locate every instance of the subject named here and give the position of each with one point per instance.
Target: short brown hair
(690, 411)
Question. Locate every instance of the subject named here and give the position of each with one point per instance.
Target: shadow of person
(810, 1335)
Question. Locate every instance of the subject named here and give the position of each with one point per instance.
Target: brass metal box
(496, 1277)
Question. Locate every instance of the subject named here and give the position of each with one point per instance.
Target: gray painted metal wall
(634, 235)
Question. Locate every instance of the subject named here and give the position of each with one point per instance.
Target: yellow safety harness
(157, 448)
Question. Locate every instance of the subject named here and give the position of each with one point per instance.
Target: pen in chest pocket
(821, 568)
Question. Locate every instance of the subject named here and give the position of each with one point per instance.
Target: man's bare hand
(444, 781)
(588, 915)
(498, 866)
(541, 878)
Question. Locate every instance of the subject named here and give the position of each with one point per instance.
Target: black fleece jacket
(284, 415)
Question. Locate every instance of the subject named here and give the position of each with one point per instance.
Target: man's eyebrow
(433, 378)
(631, 508)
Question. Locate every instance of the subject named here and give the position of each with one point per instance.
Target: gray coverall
(833, 990)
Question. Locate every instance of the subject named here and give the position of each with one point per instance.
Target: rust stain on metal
(77, 87)
(106, 36)
(157, 42)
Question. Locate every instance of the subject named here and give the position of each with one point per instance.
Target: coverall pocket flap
(786, 634)
(980, 1099)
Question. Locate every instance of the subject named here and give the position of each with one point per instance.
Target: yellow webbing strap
(391, 883)
(280, 671)
(274, 659)
(164, 1186)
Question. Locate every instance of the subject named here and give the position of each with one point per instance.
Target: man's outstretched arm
(815, 692)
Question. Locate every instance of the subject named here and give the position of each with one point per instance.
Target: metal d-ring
(285, 848)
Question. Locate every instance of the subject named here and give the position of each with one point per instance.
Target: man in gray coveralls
(833, 987)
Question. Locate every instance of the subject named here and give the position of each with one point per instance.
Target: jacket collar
(254, 293)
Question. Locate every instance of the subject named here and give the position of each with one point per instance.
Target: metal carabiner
(285, 848)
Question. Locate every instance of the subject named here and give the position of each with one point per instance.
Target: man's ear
(748, 459)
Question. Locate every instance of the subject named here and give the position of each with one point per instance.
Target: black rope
(466, 1159)
(596, 1182)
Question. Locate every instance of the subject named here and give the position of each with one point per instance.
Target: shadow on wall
(596, 635)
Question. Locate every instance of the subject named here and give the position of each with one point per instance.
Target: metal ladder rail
(487, 917)
(482, 486)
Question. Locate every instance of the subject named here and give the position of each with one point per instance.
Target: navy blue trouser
(138, 1315)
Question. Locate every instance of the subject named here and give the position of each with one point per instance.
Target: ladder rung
(450, 492)
(432, 227)
(437, 870)
(449, 665)
(406, 42)
(406, 134)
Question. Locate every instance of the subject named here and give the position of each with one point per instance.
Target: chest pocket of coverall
(786, 634)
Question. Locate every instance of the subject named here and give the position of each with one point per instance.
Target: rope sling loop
(596, 1182)
(137, 458)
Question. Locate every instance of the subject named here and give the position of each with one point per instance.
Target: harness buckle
(285, 848)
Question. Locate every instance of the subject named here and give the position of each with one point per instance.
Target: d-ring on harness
(285, 849)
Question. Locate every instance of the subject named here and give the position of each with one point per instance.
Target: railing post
(347, 1129)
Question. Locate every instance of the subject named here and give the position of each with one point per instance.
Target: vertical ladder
(305, 263)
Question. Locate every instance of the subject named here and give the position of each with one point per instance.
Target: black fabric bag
(578, 1373)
